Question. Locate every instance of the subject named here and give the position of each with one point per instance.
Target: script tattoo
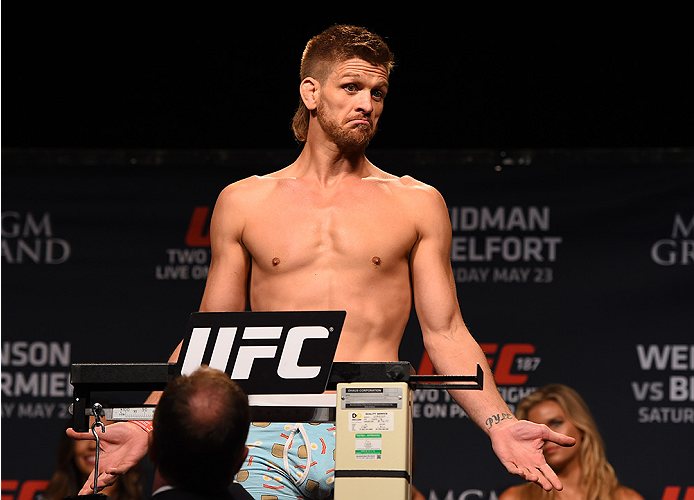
(495, 419)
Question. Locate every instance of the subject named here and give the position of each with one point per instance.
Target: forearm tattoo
(495, 419)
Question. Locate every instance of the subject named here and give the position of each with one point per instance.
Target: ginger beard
(352, 138)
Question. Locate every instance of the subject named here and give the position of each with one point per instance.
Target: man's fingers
(543, 481)
(79, 435)
(552, 479)
(88, 487)
(543, 476)
(560, 439)
(531, 476)
(523, 472)
(103, 481)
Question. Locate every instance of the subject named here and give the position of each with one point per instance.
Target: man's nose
(365, 102)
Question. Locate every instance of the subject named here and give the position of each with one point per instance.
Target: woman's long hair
(597, 475)
(68, 480)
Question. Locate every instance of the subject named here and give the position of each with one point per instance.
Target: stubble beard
(351, 140)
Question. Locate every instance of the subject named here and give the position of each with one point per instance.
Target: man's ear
(309, 90)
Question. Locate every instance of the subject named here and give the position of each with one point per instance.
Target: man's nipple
(275, 262)
(376, 261)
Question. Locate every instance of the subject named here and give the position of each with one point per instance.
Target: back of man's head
(200, 429)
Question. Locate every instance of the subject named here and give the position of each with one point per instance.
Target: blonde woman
(583, 468)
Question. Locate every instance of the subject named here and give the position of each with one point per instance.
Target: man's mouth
(361, 121)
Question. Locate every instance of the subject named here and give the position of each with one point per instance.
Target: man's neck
(159, 482)
(327, 163)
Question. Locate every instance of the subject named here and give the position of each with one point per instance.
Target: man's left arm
(453, 350)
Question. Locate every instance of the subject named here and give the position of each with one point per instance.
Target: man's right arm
(125, 443)
(227, 279)
(122, 444)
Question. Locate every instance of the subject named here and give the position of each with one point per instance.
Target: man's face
(351, 102)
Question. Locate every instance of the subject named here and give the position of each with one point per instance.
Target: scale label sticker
(364, 421)
(371, 397)
(135, 413)
(368, 446)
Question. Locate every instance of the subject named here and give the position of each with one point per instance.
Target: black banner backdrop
(572, 266)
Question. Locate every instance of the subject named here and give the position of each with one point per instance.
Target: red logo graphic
(501, 365)
(26, 492)
(198, 234)
(673, 493)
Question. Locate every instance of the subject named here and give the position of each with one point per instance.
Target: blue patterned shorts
(286, 461)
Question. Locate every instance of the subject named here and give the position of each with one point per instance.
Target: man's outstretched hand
(122, 446)
(518, 445)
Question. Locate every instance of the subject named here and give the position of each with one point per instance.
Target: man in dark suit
(198, 439)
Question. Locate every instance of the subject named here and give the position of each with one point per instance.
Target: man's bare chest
(307, 229)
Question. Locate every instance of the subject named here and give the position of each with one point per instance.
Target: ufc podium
(284, 363)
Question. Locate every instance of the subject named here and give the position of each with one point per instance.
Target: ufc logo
(518, 358)
(288, 366)
(278, 352)
(511, 363)
(27, 491)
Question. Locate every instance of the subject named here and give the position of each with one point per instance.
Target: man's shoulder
(261, 181)
(254, 181)
(406, 183)
(246, 189)
(410, 182)
(416, 191)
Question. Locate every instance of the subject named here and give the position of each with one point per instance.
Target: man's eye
(350, 87)
(377, 94)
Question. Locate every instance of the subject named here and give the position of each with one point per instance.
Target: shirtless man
(334, 232)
